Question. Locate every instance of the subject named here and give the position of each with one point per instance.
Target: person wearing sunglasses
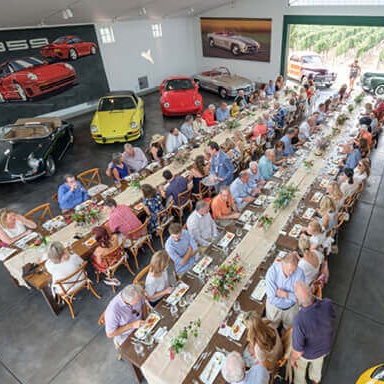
(125, 313)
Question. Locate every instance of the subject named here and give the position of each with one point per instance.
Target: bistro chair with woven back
(184, 202)
(40, 214)
(90, 177)
(164, 220)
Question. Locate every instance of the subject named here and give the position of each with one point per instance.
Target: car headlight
(197, 102)
(133, 125)
(69, 66)
(94, 129)
(31, 76)
(166, 105)
(33, 162)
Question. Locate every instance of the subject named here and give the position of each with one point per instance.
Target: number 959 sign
(18, 45)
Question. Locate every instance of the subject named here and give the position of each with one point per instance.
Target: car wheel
(93, 50)
(73, 54)
(235, 49)
(223, 93)
(379, 90)
(211, 43)
(50, 166)
(21, 92)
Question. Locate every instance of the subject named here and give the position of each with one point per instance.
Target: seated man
(280, 280)
(181, 248)
(177, 185)
(121, 218)
(353, 156)
(241, 99)
(279, 114)
(271, 88)
(240, 191)
(201, 226)
(223, 207)
(255, 179)
(187, 128)
(233, 371)
(222, 114)
(266, 166)
(307, 128)
(175, 140)
(209, 115)
(71, 193)
(321, 115)
(200, 126)
(289, 149)
(125, 313)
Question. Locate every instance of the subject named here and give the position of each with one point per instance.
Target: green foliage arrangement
(284, 196)
(177, 344)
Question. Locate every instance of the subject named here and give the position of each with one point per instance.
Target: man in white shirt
(307, 128)
(175, 140)
(201, 226)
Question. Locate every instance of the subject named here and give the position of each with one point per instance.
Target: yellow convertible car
(119, 118)
(374, 375)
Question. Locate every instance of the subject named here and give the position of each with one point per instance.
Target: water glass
(139, 349)
(236, 307)
(174, 310)
(239, 232)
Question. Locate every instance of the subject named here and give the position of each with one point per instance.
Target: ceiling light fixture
(142, 11)
(67, 14)
(191, 11)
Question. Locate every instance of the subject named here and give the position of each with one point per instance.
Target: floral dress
(154, 205)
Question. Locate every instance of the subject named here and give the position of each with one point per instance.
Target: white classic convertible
(233, 42)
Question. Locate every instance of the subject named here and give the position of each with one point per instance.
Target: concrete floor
(38, 348)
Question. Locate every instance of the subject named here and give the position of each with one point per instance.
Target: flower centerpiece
(264, 105)
(321, 145)
(41, 241)
(178, 343)
(135, 181)
(264, 221)
(350, 108)
(225, 278)
(341, 119)
(249, 113)
(88, 215)
(284, 196)
(182, 156)
(232, 124)
(359, 98)
(308, 164)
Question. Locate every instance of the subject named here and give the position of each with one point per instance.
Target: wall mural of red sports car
(69, 48)
(28, 77)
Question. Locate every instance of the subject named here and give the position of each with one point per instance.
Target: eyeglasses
(359, 165)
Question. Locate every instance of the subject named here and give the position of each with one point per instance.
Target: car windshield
(178, 84)
(312, 59)
(23, 132)
(378, 373)
(116, 104)
(25, 63)
(223, 72)
(60, 39)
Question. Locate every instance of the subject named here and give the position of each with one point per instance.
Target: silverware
(234, 341)
(199, 360)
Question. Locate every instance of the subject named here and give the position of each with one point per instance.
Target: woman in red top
(209, 115)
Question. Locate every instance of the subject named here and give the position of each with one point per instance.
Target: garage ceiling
(18, 13)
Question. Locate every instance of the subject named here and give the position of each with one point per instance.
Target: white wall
(275, 9)
(173, 54)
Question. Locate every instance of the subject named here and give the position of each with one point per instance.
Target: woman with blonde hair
(264, 341)
(311, 259)
(157, 282)
(328, 213)
(316, 235)
(336, 193)
(362, 171)
(237, 152)
(13, 226)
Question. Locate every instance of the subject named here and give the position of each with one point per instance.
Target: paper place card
(259, 291)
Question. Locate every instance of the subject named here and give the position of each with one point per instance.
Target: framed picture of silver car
(238, 38)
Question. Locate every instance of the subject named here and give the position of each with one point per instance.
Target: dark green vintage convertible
(373, 82)
(31, 148)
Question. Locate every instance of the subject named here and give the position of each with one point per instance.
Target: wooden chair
(55, 197)
(184, 201)
(164, 219)
(113, 260)
(340, 222)
(137, 238)
(67, 288)
(90, 177)
(203, 192)
(101, 322)
(40, 214)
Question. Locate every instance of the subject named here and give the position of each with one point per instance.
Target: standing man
(187, 128)
(354, 71)
(71, 193)
(222, 114)
(221, 165)
(312, 335)
(280, 280)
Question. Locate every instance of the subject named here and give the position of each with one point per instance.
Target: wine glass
(236, 307)
(139, 349)
(239, 231)
(174, 310)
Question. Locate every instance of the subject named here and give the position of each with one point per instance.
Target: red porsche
(179, 95)
(68, 47)
(28, 77)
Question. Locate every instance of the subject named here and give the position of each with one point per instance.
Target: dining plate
(324, 183)
(6, 252)
(93, 191)
(177, 293)
(237, 329)
(317, 197)
(148, 325)
(308, 214)
(260, 200)
(139, 207)
(202, 264)
(246, 216)
(295, 231)
(226, 239)
(90, 242)
(212, 369)
(269, 185)
(333, 171)
(259, 291)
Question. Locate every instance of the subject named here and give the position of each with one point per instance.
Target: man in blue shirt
(280, 280)
(221, 165)
(353, 159)
(266, 166)
(222, 114)
(240, 191)
(279, 115)
(181, 248)
(71, 193)
(312, 334)
(289, 149)
(270, 89)
(177, 185)
(255, 179)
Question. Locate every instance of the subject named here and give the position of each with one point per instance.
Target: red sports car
(28, 77)
(68, 47)
(179, 95)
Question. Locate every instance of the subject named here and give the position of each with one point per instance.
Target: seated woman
(279, 83)
(235, 107)
(348, 185)
(237, 152)
(153, 204)
(337, 195)
(343, 94)
(279, 156)
(264, 341)
(316, 235)
(156, 151)
(259, 131)
(328, 213)
(364, 148)
(255, 98)
(262, 91)
(362, 171)
(311, 259)
(105, 244)
(61, 264)
(13, 226)
(198, 172)
(157, 282)
(119, 168)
